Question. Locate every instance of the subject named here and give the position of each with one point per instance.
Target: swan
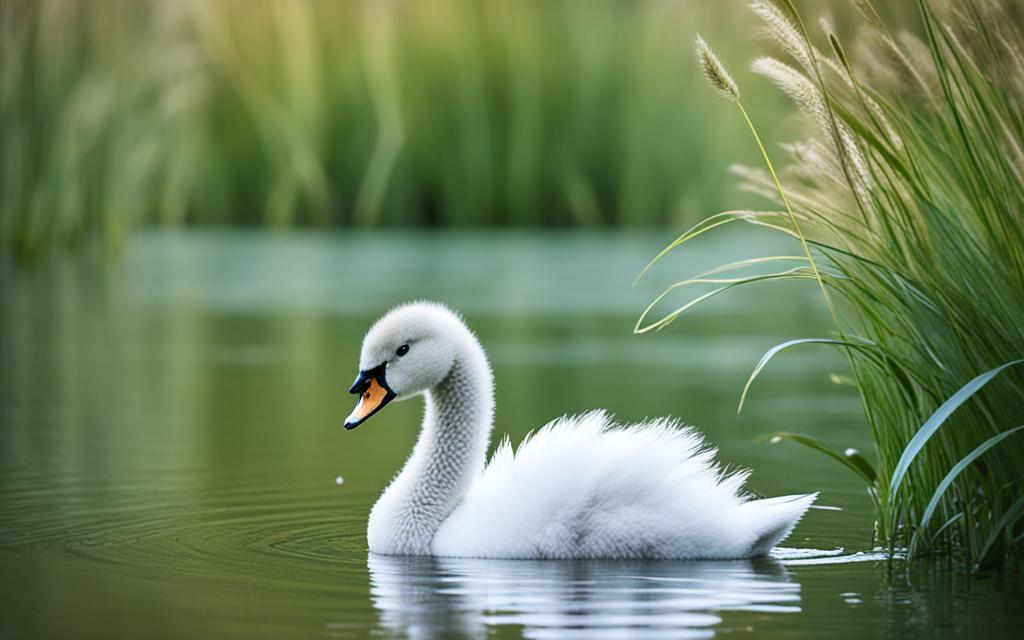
(580, 487)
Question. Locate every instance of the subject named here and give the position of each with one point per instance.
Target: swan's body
(578, 488)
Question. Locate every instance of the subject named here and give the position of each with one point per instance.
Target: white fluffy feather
(578, 488)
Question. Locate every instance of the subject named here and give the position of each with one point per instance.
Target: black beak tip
(351, 423)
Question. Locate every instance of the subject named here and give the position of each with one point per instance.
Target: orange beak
(374, 393)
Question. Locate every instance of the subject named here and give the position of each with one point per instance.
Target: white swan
(579, 488)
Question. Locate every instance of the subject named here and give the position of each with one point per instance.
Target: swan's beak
(374, 393)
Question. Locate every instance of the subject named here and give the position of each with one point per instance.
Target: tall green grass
(909, 197)
(443, 112)
(94, 120)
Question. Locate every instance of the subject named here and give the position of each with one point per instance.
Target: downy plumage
(581, 487)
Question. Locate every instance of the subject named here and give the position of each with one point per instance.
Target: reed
(908, 194)
(116, 113)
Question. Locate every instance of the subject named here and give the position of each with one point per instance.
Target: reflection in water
(444, 597)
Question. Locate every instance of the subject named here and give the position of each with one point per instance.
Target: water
(172, 462)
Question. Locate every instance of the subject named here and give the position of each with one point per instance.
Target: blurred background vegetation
(116, 113)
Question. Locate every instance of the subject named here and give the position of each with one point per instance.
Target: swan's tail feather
(774, 519)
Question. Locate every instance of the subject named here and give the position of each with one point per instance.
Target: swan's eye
(402, 350)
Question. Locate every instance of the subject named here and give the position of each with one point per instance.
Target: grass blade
(786, 345)
(728, 283)
(938, 418)
(957, 470)
(862, 463)
(854, 463)
(701, 227)
(1008, 519)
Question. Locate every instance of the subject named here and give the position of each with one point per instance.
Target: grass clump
(115, 113)
(909, 195)
(97, 120)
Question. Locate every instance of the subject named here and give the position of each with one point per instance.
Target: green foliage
(443, 112)
(851, 458)
(960, 467)
(909, 196)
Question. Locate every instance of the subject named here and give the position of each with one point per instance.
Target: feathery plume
(715, 71)
(807, 96)
(783, 31)
(812, 161)
(794, 84)
(720, 79)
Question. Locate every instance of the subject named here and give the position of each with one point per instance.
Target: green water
(171, 448)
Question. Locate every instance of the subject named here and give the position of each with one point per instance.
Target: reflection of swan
(579, 488)
(462, 597)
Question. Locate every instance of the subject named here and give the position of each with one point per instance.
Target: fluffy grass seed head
(715, 71)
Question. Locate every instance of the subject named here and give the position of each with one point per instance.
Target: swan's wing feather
(581, 486)
(773, 519)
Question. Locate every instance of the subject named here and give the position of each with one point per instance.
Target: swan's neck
(448, 456)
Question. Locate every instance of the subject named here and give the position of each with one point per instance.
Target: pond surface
(172, 462)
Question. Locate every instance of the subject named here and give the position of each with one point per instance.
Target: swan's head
(409, 350)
